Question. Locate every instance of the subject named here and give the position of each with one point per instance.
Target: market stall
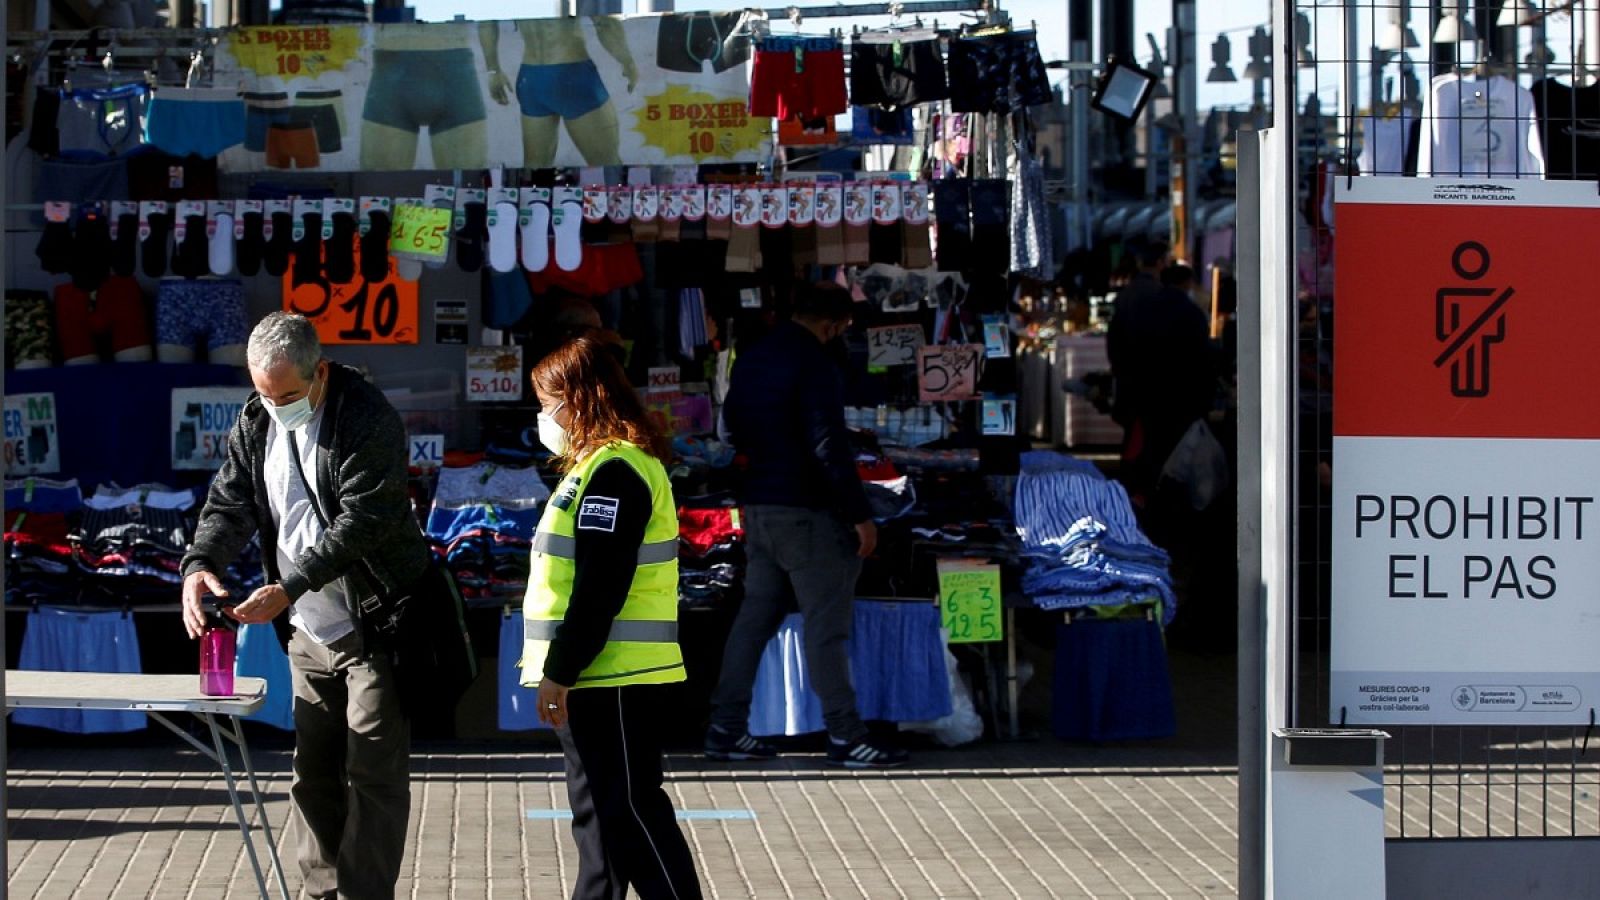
(662, 181)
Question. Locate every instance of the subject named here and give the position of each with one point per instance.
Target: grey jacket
(361, 466)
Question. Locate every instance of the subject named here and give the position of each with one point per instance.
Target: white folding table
(157, 696)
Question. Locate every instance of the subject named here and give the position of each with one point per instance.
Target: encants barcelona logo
(685, 122)
(1469, 319)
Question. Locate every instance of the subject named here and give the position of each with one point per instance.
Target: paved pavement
(1028, 819)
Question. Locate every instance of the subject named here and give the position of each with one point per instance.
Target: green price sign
(420, 232)
(969, 603)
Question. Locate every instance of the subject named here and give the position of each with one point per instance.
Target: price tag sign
(663, 384)
(969, 602)
(893, 345)
(420, 232)
(1000, 416)
(357, 312)
(201, 421)
(996, 338)
(33, 446)
(427, 451)
(494, 374)
(949, 372)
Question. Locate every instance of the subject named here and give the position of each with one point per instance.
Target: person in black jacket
(351, 792)
(807, 525)
(1163, 360)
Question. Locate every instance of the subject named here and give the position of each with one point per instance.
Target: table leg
(238, 807)
(261, 807)
(1011, 673)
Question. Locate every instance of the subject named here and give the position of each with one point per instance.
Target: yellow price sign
(420, 232)
(969, 603)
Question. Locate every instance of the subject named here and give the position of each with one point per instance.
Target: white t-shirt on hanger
(1384, 143)
(1476, 126)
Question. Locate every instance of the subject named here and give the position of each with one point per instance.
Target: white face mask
(551, 434)
(292, 416)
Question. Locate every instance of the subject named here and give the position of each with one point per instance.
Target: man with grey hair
(316, 465)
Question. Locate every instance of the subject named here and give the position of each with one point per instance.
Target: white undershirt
(323, 615)
(1477, 126)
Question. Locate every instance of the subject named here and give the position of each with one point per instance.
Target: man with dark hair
(807, 525)
(1179, 277)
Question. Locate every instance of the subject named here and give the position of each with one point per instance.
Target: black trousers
(622, 819)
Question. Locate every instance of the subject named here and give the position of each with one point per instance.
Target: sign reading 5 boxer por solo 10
(1466, 455)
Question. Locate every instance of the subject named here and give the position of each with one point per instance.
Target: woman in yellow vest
(601, 620)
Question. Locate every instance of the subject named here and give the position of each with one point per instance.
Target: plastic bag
(1200, 465)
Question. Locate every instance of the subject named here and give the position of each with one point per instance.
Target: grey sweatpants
(810, 555)
(352, 757)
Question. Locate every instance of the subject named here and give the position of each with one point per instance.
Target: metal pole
(1252, 636)
(5, 775)
(1351, 89)
(1267, 388)
(1591, 41)
(1080, 24)
(1186, 95)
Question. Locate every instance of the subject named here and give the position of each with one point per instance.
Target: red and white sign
(1466, 453)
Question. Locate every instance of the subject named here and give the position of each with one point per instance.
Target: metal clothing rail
(194, 36)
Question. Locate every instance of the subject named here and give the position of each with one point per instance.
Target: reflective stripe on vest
(563, 547)
(638, 631)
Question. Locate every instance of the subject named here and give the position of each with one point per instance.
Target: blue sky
(1153, 16)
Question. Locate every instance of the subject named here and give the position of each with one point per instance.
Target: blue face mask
(293, 416)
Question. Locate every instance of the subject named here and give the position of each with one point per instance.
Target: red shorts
(116, 311)
(703, 529)
(605, 268)
(798, 78)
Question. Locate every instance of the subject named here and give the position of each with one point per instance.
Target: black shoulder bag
(423, 627)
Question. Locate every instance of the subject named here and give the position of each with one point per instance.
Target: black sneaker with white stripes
(864, 754)
(726, 746)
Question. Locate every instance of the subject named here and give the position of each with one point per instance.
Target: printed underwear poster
(536, 93)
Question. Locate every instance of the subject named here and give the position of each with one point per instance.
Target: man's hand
(195, 588)
(552, 703)
(867, 534)
(262, 607)
(630, 73)
(500, 88)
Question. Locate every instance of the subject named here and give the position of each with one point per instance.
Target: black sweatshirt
(612, 512)
(785, 412)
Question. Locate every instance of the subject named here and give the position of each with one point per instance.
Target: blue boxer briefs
(66, 640)
(188, 311)
(41, 496)
(567, 90)
(259, 655)
(415, 89)
(195, 122)
(519, 706)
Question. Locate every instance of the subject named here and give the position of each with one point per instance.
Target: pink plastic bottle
(216, 662)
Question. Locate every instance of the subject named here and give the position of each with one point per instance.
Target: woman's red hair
(605, 408)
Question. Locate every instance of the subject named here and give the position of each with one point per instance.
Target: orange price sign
(420, 232)
(357, 312)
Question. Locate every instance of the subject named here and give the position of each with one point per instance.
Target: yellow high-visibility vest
(643, 645)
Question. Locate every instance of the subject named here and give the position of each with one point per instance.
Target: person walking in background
(317, 434)
(808, 527)
(1164, 366)
(601, 624)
